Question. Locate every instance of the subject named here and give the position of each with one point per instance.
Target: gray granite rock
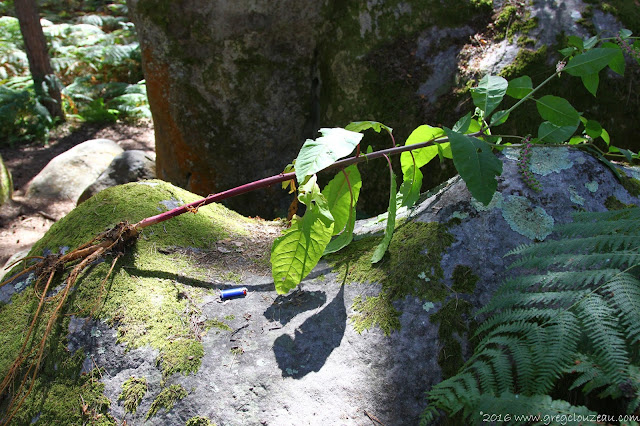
(128, 166)
(68, 174)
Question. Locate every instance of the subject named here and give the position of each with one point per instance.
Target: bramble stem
(263, 183)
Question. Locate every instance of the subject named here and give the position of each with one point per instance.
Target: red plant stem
(263, 183)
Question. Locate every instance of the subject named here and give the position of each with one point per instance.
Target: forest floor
(24, 220)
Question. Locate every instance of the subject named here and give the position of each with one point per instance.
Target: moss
(523, 59)
(375, 311)
(151, 298)
(166, 399)
(532, 222)
(133, 390)
(232, 277)
(626, 11)
(511, 21)
(199, 421)
(464, 280)
(632, 185)
(452, 321)
(612, 203)
(220, 325)
(410, 268)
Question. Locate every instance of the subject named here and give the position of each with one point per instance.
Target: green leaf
(499, 118)
(409, 191)
(298, 250)
(605, 136)
(520, 87)
(489, 93)
(575, 42)
(422, 156)
(557, 110)
(344, 239)
(617, 64)
(625, 33)
(591, 83)
(567, 51)
(318, 154)
(310, 195)
(628, 154)
(576, 140)
(550, 133)
(339, 199)
(590, 42)
(378, 254)
(590, 62)
(476, 164)
(361, 126)
(593, 128)
(462, 125)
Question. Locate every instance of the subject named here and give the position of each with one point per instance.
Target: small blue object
(233, 292)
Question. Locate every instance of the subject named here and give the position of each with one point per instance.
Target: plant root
(27, 363)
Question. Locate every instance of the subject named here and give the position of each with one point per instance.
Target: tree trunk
(36, 46)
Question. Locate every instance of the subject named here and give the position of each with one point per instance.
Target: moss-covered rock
(6, 183)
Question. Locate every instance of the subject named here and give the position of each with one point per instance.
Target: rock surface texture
(68, 174)
(128, 166)
(313, 356)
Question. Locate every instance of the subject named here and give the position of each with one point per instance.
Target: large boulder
(235, 87)
(6, 183)
(128, 166)
(357, 343)
(68, 174)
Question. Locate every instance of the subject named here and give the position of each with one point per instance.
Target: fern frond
(578, 319)
(601, 325)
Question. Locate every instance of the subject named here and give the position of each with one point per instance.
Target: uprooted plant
(331, 212)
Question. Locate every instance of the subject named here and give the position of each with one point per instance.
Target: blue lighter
(233, 292)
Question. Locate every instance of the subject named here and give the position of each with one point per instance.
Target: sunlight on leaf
(318, 154)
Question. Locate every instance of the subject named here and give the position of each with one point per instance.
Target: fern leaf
(601, 326)
(624, 290)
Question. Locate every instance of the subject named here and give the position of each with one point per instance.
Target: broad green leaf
(409, 191)
(605, 136)
(338, 196)
(298, 250)
(318, 154)
(590, 62)
(550, 133)
(476, 164)
(310, 195)
(625, 33)
(344, 239)
(575, 41)
(557, 110)
(567, 51)
(444, 150)
(520, 87)
(422, 156)
(361, 126)
(378, 254)
(593, 128)
(590, 42)
(628, 154)
(462, 125)
(576, 140)
(499, 118)
(617, 64)
(489, 93)
(591, 83)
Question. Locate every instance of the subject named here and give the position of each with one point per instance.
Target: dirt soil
(23, 221)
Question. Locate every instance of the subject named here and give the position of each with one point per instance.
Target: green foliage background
(96, 60)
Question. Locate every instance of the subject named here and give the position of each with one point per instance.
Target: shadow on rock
(285, 307)
(314, 340)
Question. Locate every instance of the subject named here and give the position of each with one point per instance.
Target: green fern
(578, 321)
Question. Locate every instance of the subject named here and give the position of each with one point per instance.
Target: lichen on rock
(532, 222)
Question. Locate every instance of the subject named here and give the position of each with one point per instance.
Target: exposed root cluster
(21, 377)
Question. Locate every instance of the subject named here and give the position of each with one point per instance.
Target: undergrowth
(96, 59)
(561, 336)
